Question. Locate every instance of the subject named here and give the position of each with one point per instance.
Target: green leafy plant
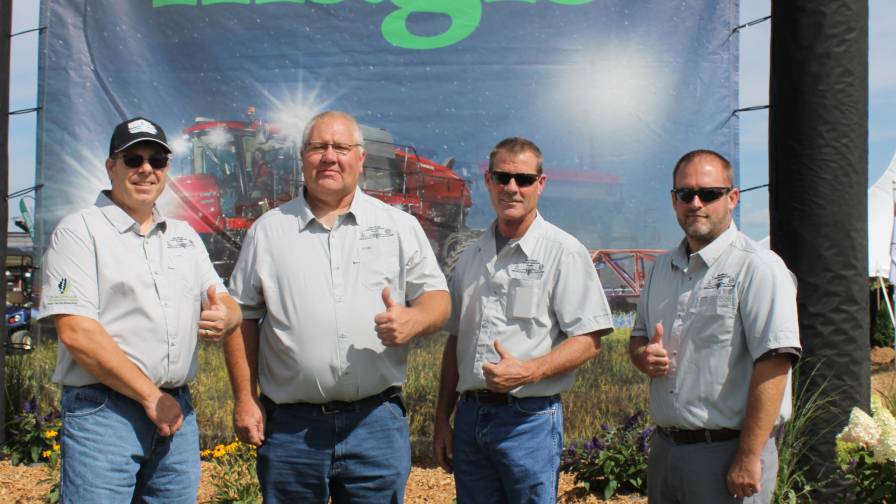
(866, 453)
(614, 461)
(234, 478)
(33, 438)
(796, 437)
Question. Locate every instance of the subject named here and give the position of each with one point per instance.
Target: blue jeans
(112, 452)
(356, 455)
(508, 452)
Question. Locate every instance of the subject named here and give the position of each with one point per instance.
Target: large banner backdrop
(614, 91)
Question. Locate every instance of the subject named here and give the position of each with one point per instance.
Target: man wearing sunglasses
(527, 310)
(129, 292)
(717, 334)
(333, 285)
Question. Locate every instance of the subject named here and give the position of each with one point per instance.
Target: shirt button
(339, 299)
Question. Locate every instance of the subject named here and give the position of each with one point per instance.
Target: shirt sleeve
(639, 329)
(205, 271)
(69, 276)
(245, 283)
(422, 271)
(768, 309)
(580, 304)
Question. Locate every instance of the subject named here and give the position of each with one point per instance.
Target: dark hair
(516, 145)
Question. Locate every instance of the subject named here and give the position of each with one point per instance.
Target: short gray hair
(359, 137)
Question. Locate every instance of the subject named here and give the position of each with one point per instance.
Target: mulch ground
(427, 484)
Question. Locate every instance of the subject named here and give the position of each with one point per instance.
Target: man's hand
(744, 476)
(653, 360)
(248, 421)
(395, 326)
(164, 411)
(442, 449)
(213, 318)
(508, 373)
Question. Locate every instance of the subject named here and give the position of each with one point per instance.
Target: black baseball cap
(138, 129)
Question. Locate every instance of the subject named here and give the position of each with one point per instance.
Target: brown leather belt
(682, 436)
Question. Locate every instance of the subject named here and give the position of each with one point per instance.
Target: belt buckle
(708, 435)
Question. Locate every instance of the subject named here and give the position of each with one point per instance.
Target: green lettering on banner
(464, 14)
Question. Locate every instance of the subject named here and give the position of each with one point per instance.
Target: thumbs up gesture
(508, 373)
(213, 317)
(654, 358)
(395, 326)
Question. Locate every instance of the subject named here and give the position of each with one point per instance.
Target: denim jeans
(112, 452)
(361, 455)
(508, 452)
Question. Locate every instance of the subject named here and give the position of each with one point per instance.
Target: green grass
(607, 389)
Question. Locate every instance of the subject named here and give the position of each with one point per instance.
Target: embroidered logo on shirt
(62, 295)
(531, 269)
(719, 282)
(376, 232)
(180, 242)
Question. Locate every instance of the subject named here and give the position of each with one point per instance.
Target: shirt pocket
(380, 265)
(524, 298)
(715, 312)
(181, 274)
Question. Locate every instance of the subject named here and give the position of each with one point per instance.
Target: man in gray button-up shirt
(125, 287)
(527, 310)
(717, 333)
(333, 285)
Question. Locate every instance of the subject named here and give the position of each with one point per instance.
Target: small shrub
(614, 461)
(882, 336)
(33, 438)
(234, 478)
(866, 453)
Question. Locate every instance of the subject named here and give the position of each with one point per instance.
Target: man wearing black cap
(129, 292)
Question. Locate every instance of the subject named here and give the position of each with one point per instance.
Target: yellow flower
(55, 447)
(46, 454)
(50, 434)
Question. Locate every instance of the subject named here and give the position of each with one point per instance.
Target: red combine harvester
(237, 170)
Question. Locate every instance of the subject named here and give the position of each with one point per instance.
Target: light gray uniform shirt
(722, 308)
(146, 291)
(317, 292)
(537, 291)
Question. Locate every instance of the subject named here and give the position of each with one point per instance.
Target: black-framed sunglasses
(156, 161)
(706, 194)
(522, 179)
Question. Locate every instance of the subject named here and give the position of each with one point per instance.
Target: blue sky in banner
(753, 77)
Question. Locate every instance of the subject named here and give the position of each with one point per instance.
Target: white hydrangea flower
(861, 429)
(886, 443)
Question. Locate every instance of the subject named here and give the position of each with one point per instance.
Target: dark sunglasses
(157, 161)
(706, 194)
(522, 179)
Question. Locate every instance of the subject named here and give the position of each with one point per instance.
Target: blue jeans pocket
(83, 401)
(396, 408)
(529, 406)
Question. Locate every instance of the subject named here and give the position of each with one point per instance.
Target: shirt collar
(710, 253)
(357, 209)
(120, 219)
(527, 242)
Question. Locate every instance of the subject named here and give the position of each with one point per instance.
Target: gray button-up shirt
(722, 308)
(318, 290)
(532, 295)
(145, 290)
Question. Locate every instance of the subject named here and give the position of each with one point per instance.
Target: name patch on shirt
(531, 269)
(61, 295)
(376, 232)
(180, 242)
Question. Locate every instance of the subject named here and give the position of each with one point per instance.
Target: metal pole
(5, 32)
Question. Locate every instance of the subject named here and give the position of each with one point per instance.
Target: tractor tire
(454, 246)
